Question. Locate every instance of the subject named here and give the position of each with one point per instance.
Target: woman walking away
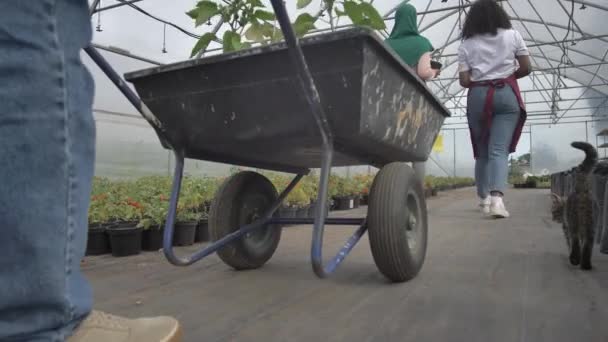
(414, 49)
(491, 57)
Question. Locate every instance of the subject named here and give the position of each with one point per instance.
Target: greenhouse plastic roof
(568, 42)
(567, 39)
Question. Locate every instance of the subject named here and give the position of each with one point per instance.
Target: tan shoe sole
(175, 336)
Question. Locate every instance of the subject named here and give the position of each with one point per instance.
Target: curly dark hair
(485, 16)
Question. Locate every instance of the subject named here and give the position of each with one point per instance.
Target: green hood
(405, 22)
(405, 39)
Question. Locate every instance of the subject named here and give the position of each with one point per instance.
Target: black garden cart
(335, 99)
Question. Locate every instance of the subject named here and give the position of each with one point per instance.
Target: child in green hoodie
(414, 49)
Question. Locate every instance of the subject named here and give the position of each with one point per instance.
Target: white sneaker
(484, 205)
(497, 208)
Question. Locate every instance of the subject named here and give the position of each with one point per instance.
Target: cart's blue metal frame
(320, 217)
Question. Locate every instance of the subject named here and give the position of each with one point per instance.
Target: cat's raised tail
(590, 156)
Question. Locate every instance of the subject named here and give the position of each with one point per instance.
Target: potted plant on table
(184, 231)
(153, 222)
(97, 241)
(189, 208)
(364, 183)
(361, 184)
(153, 193)
(299, 200)
(206, 188)
(125, 235)
(202, 227)
(280, 182)
(310, 185)
(345, 193)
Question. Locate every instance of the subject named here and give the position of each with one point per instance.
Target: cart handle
(309, 89)
(129, 94)
(169, 224)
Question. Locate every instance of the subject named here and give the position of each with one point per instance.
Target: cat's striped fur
(576, 210)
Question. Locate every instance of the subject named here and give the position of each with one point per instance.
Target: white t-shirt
(491, 57)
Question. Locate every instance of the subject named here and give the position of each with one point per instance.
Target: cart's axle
(337, 221)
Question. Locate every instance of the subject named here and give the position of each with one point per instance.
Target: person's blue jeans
(47, 146)
(492, 164)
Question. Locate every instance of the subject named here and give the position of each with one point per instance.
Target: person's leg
(47, 145)
(47, 137)
(504, 122)
(475, 121)
(481, 172)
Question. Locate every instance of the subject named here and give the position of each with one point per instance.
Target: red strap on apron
(487, 110)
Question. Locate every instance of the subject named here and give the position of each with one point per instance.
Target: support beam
(125, 53)
(540, 43)
(542, 52)
(590, 81)
(550, 71)
(115, 6)
(591, 4)
(424, 13)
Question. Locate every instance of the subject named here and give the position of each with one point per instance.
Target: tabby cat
(576, 211)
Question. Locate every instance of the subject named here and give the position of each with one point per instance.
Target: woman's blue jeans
(492, 164)
(47, 152)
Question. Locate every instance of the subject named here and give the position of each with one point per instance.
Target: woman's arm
(465, 78)
(525, 68)
(523, 56)
(424, 69)
(464, 75)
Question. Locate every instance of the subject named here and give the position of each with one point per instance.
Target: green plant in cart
(252, 21)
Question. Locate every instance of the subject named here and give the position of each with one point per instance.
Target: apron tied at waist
(492, 85)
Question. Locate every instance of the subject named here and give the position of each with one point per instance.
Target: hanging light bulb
(164, 50)
(98, 28)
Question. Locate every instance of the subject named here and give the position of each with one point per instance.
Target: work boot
(103, 327)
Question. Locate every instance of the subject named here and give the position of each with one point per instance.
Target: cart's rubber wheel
(397, 222)
(240, 200)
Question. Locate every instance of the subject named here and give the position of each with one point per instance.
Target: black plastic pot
(311, 209)
(364, 199)
(356, 201)
(125, 239)
(152, 238)
(344, 203)
(97, 242)
(302, 212)
(184, 233)
(202, 231)
(288, 212)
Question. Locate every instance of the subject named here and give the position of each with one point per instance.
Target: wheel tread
(387, 237)
(222, 220)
